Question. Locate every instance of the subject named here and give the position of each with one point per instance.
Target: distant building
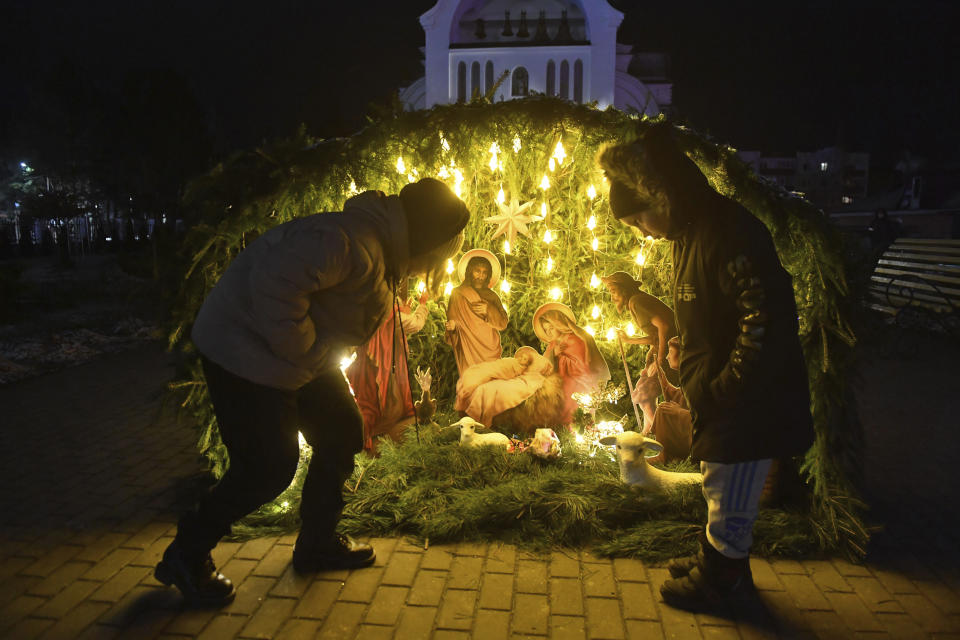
(565, 48)
(829, 178)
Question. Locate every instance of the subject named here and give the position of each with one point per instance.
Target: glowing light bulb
(559, 153)
(501, 197)
(595, 244)
(505, 286)
(346, 361)
(549, 264)
(591, 192)
(448, 288)
(587, 400)
(595, 312)
(630, 329)
(457, 190)
(556, 293)
(591, 222)
(611, 334)
(443, 173)
(284, 505)
(494, 148)
(506, 247)
(421, 286)
(545, 183)
(579, 438)
(589, 329)
(547, 236)
(543, 209)
(494, 161)
(450, 266)
(641, 259)
(444, 144)
(650, 238)
(552, 165)
(301, 440)
(594, 281)
(516, 144)
(401, 168)
(352, 189)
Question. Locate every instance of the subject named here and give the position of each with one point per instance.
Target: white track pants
(732, 492)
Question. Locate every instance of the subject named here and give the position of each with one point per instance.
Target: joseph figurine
(475, 315)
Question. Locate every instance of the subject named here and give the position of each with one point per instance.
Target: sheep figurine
(470, 438)
(633, 449)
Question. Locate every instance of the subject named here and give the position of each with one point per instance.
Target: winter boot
(713, 581)
(195, 576)
(337, 551)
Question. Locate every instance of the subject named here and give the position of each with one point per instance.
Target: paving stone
(191, 621)
(783, 566)
(456, 610)
(847, 568)
(638, 601)
(99, 631)
(11, 566)
(408, 545)
(415, 623)
(764, 577)
(804, 592)
(492, 625)
(497, 591)
(51, 560)
(116, 587)
(223, 627)
(566, 596)
(901, 626)
(826, 576)
(427, 588)
(343, 619)
(146, 536)
(153, 553)
(299, 629)
(438, 557)
(784, 611)
(255, 549)
(275, 561)
(531, 576)
(938, 593)
(894, 581)
(643, 630)
(291, 584)
(19, 608)
(318, 599)
(501, 558)
(250, 593)
(598, 580)
(268, 619)
(827, 624)
(926, 614)
(854, 612)
(139, 601)
(874, 595)
(104, 544)
(465, 572)
(402, 569)
(531, 614)
(604, 619)
(113, 562)
(475, 549)
(450, 634)
(564, 564)
(30, 628)
(386, 605)
(629, 570)
(71, 596)
(238, 570)
(80, 617)
(374, 632)
(62, 576)
(224, 552)
(16, 586)
(361, 585)
(719, 633)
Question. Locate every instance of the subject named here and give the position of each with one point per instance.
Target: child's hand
(424, 297)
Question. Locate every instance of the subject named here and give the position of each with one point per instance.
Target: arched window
(475, 79)
(520, 86)
(488, 85)
(551, 78)
(565, 80)
(462, 82)
(578, 81)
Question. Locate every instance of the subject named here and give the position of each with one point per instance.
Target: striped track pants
(732, 492)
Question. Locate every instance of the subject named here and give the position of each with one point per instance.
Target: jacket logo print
(686, 293)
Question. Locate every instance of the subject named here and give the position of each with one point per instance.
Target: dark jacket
(741, 368)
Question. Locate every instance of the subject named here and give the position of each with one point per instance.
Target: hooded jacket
(294, 301)
(741, 367)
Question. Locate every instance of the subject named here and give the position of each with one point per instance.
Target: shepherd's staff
(626, 370)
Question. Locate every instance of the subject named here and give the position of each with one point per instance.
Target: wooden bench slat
(951, 268)
(927, 276)
(934, 259)
(915, 302)
(883, 308)
(922, 248)
(948, 292)
(944, 241)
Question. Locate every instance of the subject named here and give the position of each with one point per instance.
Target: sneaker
(339, 552)
(198, 580)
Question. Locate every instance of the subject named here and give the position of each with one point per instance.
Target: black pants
(259, 426)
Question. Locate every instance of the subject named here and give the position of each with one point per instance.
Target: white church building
(565, 48)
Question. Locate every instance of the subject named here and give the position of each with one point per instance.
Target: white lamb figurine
(633, 449)
(470, 438)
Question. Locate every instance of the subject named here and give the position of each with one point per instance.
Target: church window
(520, 84)
(565, 80)
(475, 79)
(578, 81)
(551, 78)
(488, 85)
(462, 82)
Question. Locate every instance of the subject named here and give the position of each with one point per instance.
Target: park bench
(917, 283)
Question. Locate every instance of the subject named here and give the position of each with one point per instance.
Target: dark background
(875, 76)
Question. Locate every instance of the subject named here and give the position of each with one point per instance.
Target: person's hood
(385, 216)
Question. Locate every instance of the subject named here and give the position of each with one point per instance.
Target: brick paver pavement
(94, 470)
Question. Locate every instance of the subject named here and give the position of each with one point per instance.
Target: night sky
(875, 76)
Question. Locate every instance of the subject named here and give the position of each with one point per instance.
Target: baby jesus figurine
(489, 388)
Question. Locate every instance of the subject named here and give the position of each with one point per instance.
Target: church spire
(541, 34)
(481, 31)
(522, 31)
(507, 29)
(563, 34)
